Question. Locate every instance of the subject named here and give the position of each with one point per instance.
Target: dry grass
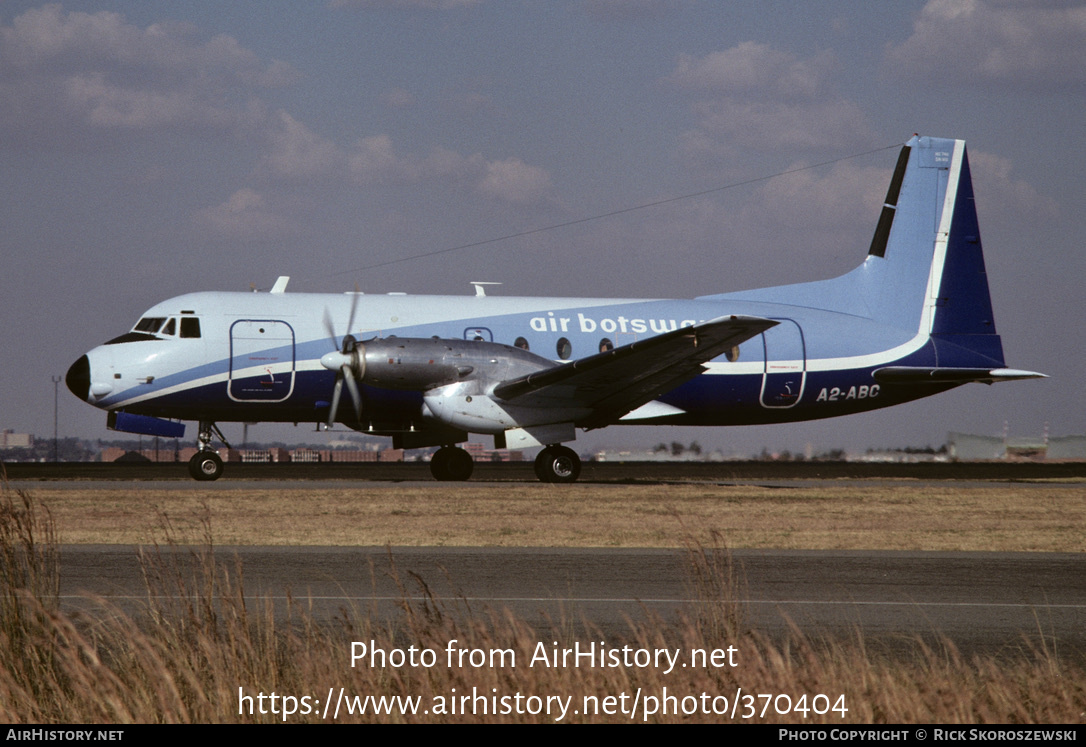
(846, 515)
(187, 657)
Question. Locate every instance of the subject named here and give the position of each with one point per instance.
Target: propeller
(346, 360)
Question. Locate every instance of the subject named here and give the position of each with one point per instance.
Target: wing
(617, 381)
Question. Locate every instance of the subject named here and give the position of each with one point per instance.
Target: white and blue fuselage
(914, 319)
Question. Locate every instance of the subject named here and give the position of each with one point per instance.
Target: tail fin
(924, 271)
(925, 268)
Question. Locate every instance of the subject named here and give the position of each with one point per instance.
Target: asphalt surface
(998, 603)
(608, 472)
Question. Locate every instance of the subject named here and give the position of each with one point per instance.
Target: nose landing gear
(205, 463)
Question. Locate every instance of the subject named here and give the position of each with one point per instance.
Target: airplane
(913, 320)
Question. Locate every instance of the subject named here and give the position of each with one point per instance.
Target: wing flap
(617, 381)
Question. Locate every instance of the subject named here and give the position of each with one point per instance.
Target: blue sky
(149, 149)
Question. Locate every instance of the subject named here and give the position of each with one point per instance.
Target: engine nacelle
(465, 407)
(422, 364)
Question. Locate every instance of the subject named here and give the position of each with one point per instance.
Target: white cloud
(399, 98)
(755, 69)
(618, 10)
(1000, 193)
(298, 152)
(105, 106)
(846, 197)
(780, 125)
(65, 72)
(424, 4)
(374, 160)
(515, 181)
(1039, 44)
(757, 97)
(244, 216)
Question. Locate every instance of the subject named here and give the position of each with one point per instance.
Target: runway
(984, 602)
(602, 472)
(1000, 603)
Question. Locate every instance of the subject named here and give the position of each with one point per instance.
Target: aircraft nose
(78, 378)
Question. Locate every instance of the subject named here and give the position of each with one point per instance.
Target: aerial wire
(600, 216)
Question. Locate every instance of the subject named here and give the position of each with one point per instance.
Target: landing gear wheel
(205, 465)
(558, 464)
(451, 463)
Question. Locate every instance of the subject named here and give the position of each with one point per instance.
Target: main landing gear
(451, 463)
(556, 463)
(205, 463)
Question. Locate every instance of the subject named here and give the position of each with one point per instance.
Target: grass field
(897, 515)
(201, 644)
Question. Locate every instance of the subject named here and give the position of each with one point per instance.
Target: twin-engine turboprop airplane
(913, 320)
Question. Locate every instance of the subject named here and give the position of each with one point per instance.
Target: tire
(451, 464)
(439, 464)
(558, 464)
(205, 465)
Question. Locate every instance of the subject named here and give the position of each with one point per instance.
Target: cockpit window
(132, 337)
(149, 324)
(190, 326)
(170, 328)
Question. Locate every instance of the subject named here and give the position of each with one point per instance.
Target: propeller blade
(350, 317)
(329, 361)
(352, 387)
(330, 329)
(354, 307)
(335, 402)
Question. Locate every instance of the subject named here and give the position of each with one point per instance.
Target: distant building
(257, 456)
(164, 453)
(353, 455)
(897, 457)
(1067, 447)
(971, 447)
(657, 455)
(11, 440)
(479, 453)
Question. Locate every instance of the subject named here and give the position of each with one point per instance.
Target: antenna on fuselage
(480, 287)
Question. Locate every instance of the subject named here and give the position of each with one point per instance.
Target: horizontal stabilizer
(617, 381)
(923, 375)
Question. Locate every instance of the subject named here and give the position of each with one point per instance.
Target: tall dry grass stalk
(29, 592)
(201, 639)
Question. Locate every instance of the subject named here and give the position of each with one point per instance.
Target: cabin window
(732, 354)
(190, 326)
(564, 348)
(606, 345)
(521, 343)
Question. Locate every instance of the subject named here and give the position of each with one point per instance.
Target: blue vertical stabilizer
(924, 271)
